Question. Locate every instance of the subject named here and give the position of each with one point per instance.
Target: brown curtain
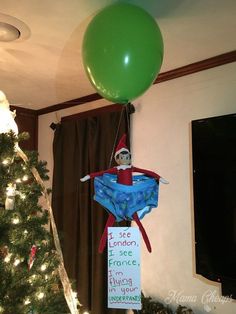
(83, 144)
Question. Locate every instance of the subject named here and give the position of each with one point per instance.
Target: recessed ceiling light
(8, 32)
(12, 29)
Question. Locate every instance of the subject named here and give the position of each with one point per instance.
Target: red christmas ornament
(32, 256)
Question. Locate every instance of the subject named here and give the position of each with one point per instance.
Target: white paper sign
(123, 261)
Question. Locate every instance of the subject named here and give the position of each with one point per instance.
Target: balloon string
(125, 107)
(68, 292)
(128, 123)
(115, 141)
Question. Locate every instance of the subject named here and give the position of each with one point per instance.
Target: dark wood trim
(70, 103)
(93, 112)
(195, 67)
(27, 120)
(163, 77)
(24, 110)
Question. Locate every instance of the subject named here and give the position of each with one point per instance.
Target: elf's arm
(150, 174)
(99, 173)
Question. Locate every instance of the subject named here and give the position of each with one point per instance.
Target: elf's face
(124, 158)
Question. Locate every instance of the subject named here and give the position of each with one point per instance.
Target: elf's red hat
(121, 147)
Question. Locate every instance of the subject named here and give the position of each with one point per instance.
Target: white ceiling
(44, 67)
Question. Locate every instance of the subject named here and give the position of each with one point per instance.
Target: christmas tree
(29, 262)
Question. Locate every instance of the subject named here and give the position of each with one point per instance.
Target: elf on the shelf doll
(124, 172)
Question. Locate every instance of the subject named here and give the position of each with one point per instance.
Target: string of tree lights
(30, 265)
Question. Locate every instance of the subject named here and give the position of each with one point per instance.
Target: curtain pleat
(82, 146)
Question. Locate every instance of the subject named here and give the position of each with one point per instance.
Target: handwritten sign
(124, 268)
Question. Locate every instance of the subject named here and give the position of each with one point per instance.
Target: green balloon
(122, 52)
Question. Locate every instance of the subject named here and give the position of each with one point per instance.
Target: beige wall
(161, 141)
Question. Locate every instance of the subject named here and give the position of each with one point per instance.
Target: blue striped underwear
(124, 200)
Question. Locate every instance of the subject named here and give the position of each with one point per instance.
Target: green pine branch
(150, 306)
(23, 289)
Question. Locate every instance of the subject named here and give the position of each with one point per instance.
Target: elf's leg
(144, 234)
(110, 222)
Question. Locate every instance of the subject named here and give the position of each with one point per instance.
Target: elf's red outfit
(124, 174)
